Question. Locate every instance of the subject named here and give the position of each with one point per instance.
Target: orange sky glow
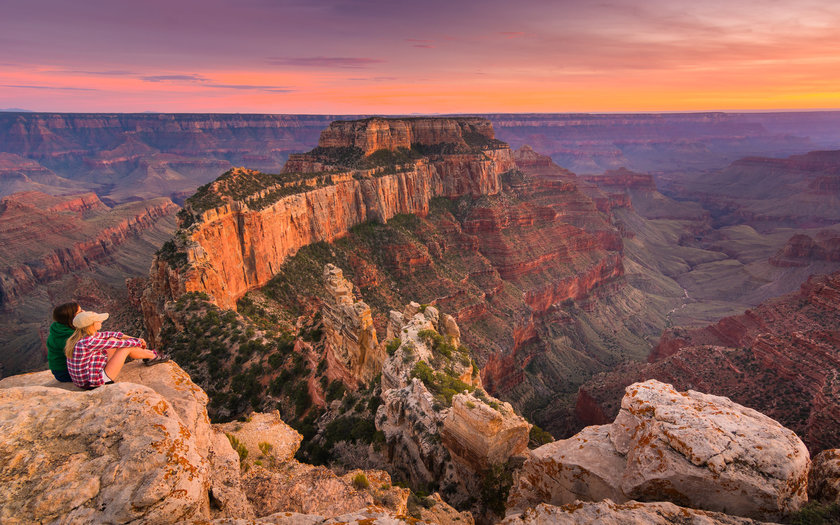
(368, 56)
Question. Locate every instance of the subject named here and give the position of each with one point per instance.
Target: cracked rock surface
(693, 449)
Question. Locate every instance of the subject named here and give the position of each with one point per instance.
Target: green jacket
(59, 334)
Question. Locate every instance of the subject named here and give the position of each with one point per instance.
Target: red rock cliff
(239, 245)
(374, 134)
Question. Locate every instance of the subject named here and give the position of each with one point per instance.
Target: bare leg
(117, 357)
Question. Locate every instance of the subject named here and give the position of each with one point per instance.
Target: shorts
(106, 380)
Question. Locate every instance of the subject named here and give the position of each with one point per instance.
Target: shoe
(156, 360)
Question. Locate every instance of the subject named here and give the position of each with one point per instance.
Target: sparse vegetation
(442, 385)
(360, 481)
(239, 447)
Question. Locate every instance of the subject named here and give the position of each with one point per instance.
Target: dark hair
(64, 313)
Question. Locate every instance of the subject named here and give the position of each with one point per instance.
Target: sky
(423, 56)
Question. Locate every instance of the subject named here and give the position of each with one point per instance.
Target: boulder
(693, 449)
(264, 433)
(483, 434)
(116, 454)
(824, 478)
(307, 489)
(631, 513)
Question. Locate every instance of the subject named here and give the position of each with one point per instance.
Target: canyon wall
(45, 237)
(780, 358)
(234, 248)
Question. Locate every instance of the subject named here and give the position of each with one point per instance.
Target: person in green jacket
(60, 331)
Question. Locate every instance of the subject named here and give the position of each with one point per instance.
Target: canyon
(129, 156)
(412, 294)
(57, 249)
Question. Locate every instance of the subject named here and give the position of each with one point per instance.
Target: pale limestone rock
(307, 489)
(410, 422)
(631, 513)
(440, 513)
(116, 454)
(450, 330)
(283, 441)
(348, 327)
(583, 467)
(226, 495)
(690, 448)
(824, 478)
(482, 436)
(189, 403)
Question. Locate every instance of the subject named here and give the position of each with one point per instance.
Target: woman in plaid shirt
(95, 358)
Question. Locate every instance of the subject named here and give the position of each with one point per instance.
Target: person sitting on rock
(60, 330)
(96, 358)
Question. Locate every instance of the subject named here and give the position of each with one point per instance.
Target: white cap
(84, 319)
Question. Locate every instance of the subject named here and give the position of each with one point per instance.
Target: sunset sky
(424, 56)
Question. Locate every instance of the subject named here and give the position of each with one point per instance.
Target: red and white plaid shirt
(89, 357)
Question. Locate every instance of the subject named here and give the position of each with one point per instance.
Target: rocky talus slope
(143, 451)
(780, 358)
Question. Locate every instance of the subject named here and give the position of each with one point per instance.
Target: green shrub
(538, 437)
(335, 390)
(392, 345)
(360, 481)
(238, 447)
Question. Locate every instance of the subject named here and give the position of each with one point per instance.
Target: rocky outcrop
(693, 449)
(348, 326)
(121, 453)
(436, 435)
(264, 433)
(824, 478)
(802, 250)
(780, 358)
(376, 133)
(143, 451)
(44, 237)
(607, 512)
(482, 434)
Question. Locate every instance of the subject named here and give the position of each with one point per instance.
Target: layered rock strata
(693, 449)
(43, 238)
(348, 326)
(235, 247)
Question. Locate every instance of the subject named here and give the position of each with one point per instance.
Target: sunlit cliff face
(333, 56)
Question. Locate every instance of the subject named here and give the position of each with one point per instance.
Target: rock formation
(143, 451)
(801, 250)
(780, 358)
(440, 427)
(376, 133)
(824, 478)
(693, 449)
(245, 227)
(607, 512)
(348, 326)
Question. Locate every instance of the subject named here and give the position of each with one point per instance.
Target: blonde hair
(77, 335)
